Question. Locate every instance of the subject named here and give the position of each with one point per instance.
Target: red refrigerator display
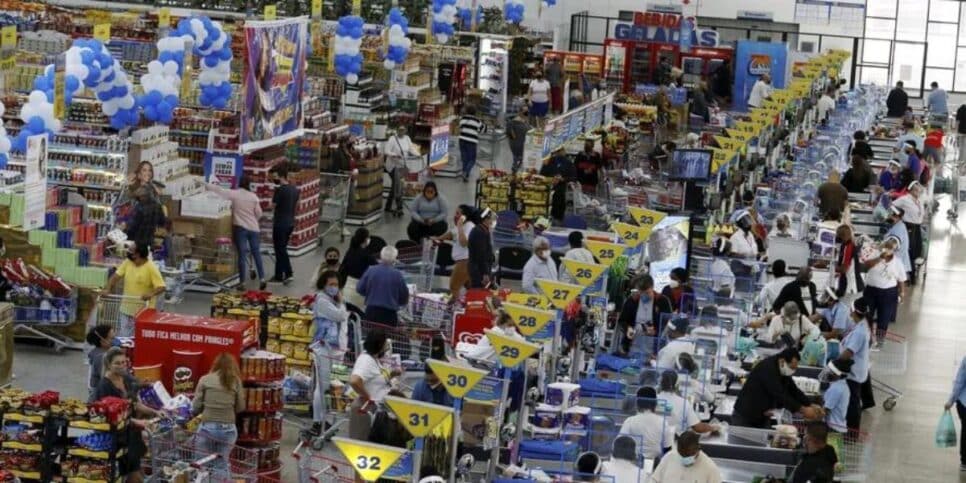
(629, 62)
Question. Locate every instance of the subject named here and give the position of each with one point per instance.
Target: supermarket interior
(482, 241)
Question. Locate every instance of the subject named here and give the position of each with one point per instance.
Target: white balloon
(442, 38)
(352, 78)
(37, 97)
(389, 64)
(110, 107)
(198, 29)
(4, 144)
(126, 102)
(3, 109)
(170, 68)
(55, 125)
(154, 67)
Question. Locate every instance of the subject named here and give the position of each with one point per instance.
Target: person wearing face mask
(790, 322)
(431, 390)
(722, 278)
(396, 149)
(818, 463)
(769, 386)
(539, 94)
(835, 400)
(678, 343)
(481, 257)
(384, 288)
(284, 200)
(889, 178)
(429, 211)
(885, 286)
(687, 464)
(914, 214)
(331, 340)
(681, 412)
(897, 228)
(913, 159)
(855, 348)
(745, 248)
(539, 266)
(101, 339)
(847, 262)
(760, 91)
(355, 263)
(142, 285)
(589, 165)
(679, 291)
(642, 313)
(802, 291)
(503, 325)
(370, 379)
(459, 237)
(783, 227)
(834, 319)
(559, 167)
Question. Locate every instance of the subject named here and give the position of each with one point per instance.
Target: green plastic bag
(946, 431)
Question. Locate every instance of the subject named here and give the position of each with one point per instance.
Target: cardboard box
(212, 228)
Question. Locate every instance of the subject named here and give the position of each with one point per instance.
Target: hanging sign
(747, 127)
(511, 351)
(529, 300)
(631, 235)
(164, 18)
(560, 294)
(60, 87)
(741, 136)
(585, 273)
(457, 379)
(721, 157)
(605, 252)
(729, 143)
(370, 460)
(316, 8)
(271, 11)
(646, 217)
(420, 418)
(529, 320)
(357, 7)
(102, 32)
(8, 37)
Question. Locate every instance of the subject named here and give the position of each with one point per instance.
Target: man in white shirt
(687, 464)
(396, 149)
(677, 331)
(771, 289)
(622, 465)
(826, 103)
(679, 411)
(540, 265)
(578, 253)
(760, 91)
(649, 428)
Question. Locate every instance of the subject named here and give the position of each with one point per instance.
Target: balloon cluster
(399, 44)
(513, 12)
(549, 3)
(348, 48)
(466, 17)
(160, 91)
(4, 140)
(213, 46)
(444, 14)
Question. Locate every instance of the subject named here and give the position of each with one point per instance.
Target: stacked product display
(260, 425)
(528, 194)
(366, 206)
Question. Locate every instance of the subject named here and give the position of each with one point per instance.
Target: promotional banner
(35, 182)
(752, 59)
(668, 248)
(273, 81)
(223, 169)
(439, 146)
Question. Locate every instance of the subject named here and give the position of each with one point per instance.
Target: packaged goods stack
(260, 425)
(201, 240)
(326, 91)
(366, 205)
(365, 107)
(290, 334)
(172, 171)
(305, 151)
(494, 190)
(532, 192)
(331, 137)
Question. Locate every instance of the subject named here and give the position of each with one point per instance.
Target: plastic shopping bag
(946, 431)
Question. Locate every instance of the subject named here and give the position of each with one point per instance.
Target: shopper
(555, 79)
(483, 350)
(835, 400)
(861, 147)
(589, 166)
(938, 101)
(677, 342)
(428, 211)
(148, 216)
(744, 249)
(769, 386)
(721, 83)
(539, 94)
(885, 286)
(932, 151)
(802, 291)
(370, 380)
(330, 342)
(384, 288)
(516, 131)
(914, 214)
(431, 390)
(771, 289)
(699, 101)
(142, 285)
(792, 323)
(889, 179)
(722, 278)
(847, 277)
(818, 462)
(101, 339)
(330, 261)
(354, 265)
(833, 319)
(118, 382)
(859, 177)
(679, 291)
(481, 256)
(760, 91)
(655, 433)
(913, 158)
(219, 397)
(539, 266)
(575, 100)
(397, 148)
(562, 171)
(284, 200)
(855, 347)
(577, 251)
(459, 237)
(643, 313)
(246, 210)
(832, 195)
(687, 463)
(622, 465)
(958, 398)
(961, 133)
(681, 413)
(826, 103)
(897, 102)
(908, 133)
(897, 229)
(471, 127)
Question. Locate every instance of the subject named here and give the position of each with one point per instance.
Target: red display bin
(159, 336)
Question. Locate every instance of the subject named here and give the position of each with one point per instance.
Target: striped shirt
(470, 129)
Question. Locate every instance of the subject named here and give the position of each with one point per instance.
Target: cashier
(889, 179)
(562, 170)
(770, 386)
(678, 343)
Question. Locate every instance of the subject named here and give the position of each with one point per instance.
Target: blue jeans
(247, 241)
(468, 157)
(217, 438)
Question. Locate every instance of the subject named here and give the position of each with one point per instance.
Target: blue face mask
(688, 460)
(116, 342)
(332, 291)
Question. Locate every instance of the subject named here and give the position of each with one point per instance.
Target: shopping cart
(112, 308)
(177, 455)
(328, 368)
(49, 313)
(418, 265)
(597, 211)
(413, 344)
(890, 359)
(429, 310)
(854, 453)
(316, 467)
(335, 192)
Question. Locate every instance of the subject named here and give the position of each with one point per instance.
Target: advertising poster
(225, 169)
(273, 81)
(668, 248)
(35, 182)
(439, 146)
(752, 59)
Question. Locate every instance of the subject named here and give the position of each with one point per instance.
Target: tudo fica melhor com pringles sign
(664, 28)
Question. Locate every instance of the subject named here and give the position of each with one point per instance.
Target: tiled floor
(902, 440)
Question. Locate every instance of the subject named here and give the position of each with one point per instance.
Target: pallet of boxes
(201, 234)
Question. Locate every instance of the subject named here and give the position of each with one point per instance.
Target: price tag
(559, 293)
(8, 37)
(646, 217)
(605, 252)
(316, 8)
(457, 379)
(529, 299)
(102, 32)
(631, 235)
(164, 18)
(529, 320)
(370, 460)
(418, 417)
(585, 273)
(60, 97)
(509, 350)
(271, 11)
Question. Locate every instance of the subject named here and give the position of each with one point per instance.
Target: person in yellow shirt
(142, 280)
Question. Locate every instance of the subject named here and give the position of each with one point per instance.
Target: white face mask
(785, 369)
(673, 284)
(542, 253)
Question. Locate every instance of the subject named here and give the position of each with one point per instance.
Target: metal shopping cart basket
(890, 359)
(418, 265)
(48, 313)
(177, 455)
(335, 198)
(110, 308)
(429, 310)
(316, 467)
(413, 344)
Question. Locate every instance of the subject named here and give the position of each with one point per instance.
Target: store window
(913, 24)
(942, 45)
(874, 75)
(943, 76)
(960, 84)
(880, 28)
(881, 8)
(876, 51)
(943, 11)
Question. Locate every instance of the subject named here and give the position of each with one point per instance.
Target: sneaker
(289, 279)
(262, 284)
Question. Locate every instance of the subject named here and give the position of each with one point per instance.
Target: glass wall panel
(913, 24)
(943, 10)
(880, 28)
(942, 41)
(881, 8)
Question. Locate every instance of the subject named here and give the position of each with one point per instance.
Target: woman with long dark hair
(219, 397)
(356, 261)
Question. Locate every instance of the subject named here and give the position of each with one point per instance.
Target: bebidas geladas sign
(664, 28)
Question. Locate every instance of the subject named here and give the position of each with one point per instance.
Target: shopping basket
(51, 312)
(176, 452)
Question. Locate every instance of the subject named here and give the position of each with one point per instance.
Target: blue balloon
(154, 97)
(50, 95)
(151, 112)
(172, 100)
(212, 60)
(225, 53)
(225, 89)
(165, 117)
(3, 161)
(94, 74)
(35, 124)
(220, 103)
(87, 57)
(204, 99)
(110, 77)
(117, 122)
(19, 143)
(40, 84)
(71, 83)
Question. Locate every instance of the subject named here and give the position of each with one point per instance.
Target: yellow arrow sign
(729, 143)
(164, 17)
(529, 299)
(720, 157)
(370, 460)
(585, 273)
(271, 11)
(316, 8)
(747, 127)
(457, 379)
(631, 235)
(645, 216)
(605, 252)
(741, 136)
(529, 320)
(8, 37)
(418, 417)
(559, 293)
(511, 351)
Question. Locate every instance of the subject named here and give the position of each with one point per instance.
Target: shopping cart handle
(204, 461)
